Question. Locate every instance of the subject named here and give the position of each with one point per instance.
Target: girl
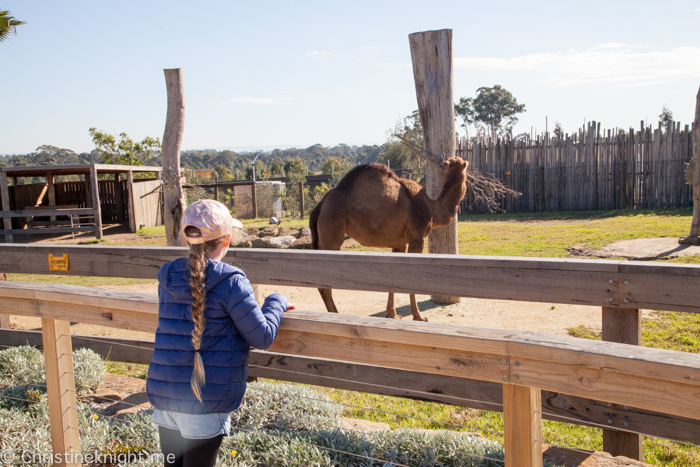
(207, 321)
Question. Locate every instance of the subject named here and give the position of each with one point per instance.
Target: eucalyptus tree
(8, 25)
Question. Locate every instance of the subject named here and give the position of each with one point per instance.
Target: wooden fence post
(624, 326)
(5, 193)
(694, 236)
(522, 418)
(254, 197)
(431, 54)
(174, 201)
(132, 212)
(95, 194)
(540, 188)
(4, 319)
(51, 192)
(60, 387)
(301, 199)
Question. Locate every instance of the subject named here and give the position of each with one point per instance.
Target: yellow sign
(58, 263)
(507, 172)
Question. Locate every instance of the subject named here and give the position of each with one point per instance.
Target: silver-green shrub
(21, 365)
(89, 370)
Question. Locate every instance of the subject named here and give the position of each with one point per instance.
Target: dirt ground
(640, 249)
(541, 317)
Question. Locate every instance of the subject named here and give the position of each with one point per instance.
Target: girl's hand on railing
(291, 306)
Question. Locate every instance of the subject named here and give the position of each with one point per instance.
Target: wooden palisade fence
(591, 169)
(528, 375)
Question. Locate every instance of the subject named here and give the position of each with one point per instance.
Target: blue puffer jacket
(234, 323)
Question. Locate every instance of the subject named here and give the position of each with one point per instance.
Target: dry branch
(486, 187)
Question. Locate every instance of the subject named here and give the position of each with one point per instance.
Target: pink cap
(211, 217)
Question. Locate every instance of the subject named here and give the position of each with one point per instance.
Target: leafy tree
(335, 164)
(665, 117)
(398, 155)
(277, 168)
(295, 169)
(260, 170)
(494, 109)
(558, 131)
(125, 151)
(8, 25)
(224, 173)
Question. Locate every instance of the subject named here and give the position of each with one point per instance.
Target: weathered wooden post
(431, 53)
(254, 198)
(695, 224)
(623, 326)
(95, 194)
(174, 197)
(51, 192)
(5, 193)
(132, 212)
(522, 419)
(301, 199)
(60, 388)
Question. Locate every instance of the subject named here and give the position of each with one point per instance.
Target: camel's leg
(416, 246)
(327, 296)
(330, 229)
(390, 308)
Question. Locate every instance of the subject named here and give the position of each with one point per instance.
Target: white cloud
(257, 100)
(622, 64)
(318, 53)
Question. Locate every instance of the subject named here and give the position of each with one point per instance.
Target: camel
(377, 208)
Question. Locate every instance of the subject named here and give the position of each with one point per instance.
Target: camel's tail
(313, 222)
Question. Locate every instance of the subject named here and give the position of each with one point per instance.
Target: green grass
(85, 281)
(286, 222)
(158, 231)
(550, 234)
(133, 370)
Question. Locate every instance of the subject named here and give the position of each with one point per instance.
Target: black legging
(188, 452)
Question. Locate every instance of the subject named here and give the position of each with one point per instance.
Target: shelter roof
(42, 170)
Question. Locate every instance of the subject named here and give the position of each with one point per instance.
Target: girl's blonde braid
(197, 264)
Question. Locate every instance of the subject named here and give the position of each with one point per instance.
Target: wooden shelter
(95, 194)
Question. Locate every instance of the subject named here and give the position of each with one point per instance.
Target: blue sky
(278, 74)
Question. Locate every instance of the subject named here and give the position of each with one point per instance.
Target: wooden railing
(656, 391)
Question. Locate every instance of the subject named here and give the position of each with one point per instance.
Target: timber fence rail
(655, 391)
(588, 170)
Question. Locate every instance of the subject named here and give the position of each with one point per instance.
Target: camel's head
(456, 164)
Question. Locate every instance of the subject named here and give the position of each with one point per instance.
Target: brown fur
(379, 209)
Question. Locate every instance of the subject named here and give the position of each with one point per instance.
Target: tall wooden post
(5, 193)
(695, 223)
(119, 196)
(522, 420)
(51, 192)
(60, 387)
(132, 211)
(431, 53)
(254, 197)
(301, 199)
(95, 192)
(173, 195)
(623, 326)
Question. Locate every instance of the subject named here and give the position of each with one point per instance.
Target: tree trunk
(431, 53)
(174, 197)
(695, 224)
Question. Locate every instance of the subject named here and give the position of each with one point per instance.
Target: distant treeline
(314, 157)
